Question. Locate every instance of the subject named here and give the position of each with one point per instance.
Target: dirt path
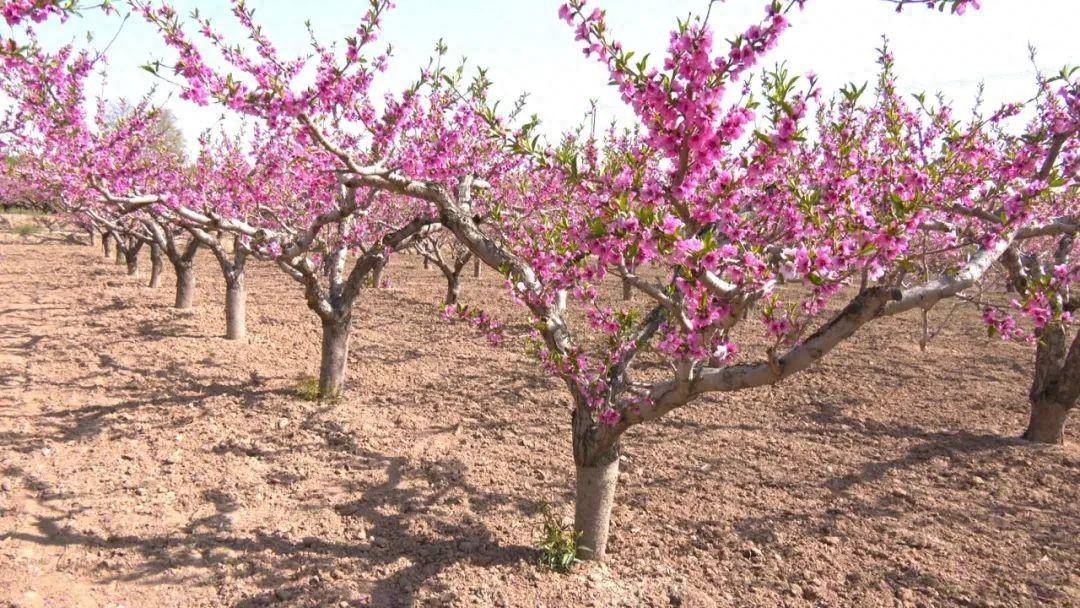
(147, 462)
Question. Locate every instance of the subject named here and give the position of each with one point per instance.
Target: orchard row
(745, 202)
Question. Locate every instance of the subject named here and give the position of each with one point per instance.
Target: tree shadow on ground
(82, 423)
(864, 494)
(418, 520)
(409, 541)
(933, 444)
(164, 329)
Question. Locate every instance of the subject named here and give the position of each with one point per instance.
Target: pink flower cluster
(491, 328)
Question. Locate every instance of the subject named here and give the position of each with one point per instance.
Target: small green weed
(307, 388)
(558, 545)
(25, 230)
(23, 211)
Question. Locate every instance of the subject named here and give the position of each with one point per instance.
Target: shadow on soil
(402, 542)
(867, 495)
(397, 561)
(132, 416)
(404, 530)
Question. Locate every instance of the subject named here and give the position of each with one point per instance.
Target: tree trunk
(1047, 422)
(1050, 397)
(106, 244)
(156, 265)
(235, 308)
(453, 287)
(476, 268)
(335, 357)
(427, 263)
(597, 476)
(119, 252)
(185, 286)
(594, 499)
(627, 291)
(90, 234)
(131, 259)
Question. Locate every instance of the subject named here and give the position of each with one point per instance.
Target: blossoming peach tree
(1003, 188)
(450, 257)
(1043, 274)
(348, 155)
(1041, 270)
(717, 205)
(74, 153)
(53, 139)
(730, 216)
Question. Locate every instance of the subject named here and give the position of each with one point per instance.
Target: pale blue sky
(526, 47)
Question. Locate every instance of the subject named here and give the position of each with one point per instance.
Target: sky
(527, 49)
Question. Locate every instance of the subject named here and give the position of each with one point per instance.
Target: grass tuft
(25, 230)
(307, 388)
(558, 545)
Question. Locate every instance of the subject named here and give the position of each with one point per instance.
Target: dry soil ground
(147, 462)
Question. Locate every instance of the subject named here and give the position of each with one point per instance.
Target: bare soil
(146, 461)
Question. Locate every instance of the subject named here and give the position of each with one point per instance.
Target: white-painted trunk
(592, 507)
